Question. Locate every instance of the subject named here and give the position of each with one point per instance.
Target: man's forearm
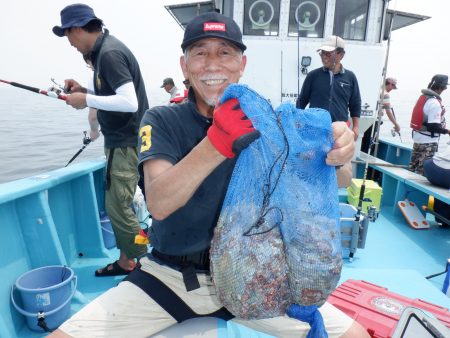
(92, 118)
(355, 127)
(344, 175)
(390, 116)
(173, 186)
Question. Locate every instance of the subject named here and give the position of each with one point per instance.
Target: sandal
(113, 269)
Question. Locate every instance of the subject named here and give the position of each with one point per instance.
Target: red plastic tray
(378, 309)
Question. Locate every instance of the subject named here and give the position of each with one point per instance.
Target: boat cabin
(283, 36)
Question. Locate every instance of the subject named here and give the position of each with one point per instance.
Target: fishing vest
(418, 116)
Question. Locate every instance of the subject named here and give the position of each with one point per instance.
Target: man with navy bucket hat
(187, 156)
(120, 99)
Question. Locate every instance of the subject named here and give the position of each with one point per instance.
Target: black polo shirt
(338, 94)
(170, 133)
(115, 66)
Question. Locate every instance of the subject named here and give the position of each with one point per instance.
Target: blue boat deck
(399, 258)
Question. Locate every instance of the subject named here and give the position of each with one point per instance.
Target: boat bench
(400, 183)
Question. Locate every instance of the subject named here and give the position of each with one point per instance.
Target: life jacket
(417, 119)
(180, 98)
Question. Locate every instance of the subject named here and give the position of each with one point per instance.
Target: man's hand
(231, 131)
(343, 147)
(94, 134)
(72, 86)
(396, 127)
(77, 100)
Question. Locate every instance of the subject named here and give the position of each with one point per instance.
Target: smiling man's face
(212, 64)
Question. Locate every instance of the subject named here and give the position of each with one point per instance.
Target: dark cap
(440, 80)
(76, 15)
(212, 25)
(167, 81)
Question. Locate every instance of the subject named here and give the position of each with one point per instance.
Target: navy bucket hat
(76, 15)
(212, 25)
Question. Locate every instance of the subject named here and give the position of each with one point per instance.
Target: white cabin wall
(263, 71)
(273, 60)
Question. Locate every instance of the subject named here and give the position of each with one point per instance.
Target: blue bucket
(109, 240)
(45, 292)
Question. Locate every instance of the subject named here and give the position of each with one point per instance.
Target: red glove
(231, 131)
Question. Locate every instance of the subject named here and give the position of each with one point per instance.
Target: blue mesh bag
(277, 241)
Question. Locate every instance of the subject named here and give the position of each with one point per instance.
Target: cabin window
(261, 17)
(350, 19)
(307, 18)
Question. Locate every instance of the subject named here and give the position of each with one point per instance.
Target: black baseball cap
(212, 25)
(76, 15)
(440, 80)
(166, 81)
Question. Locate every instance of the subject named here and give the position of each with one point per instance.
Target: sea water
(39, 133)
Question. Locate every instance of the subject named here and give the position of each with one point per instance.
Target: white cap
(331, 43)
(392, 81)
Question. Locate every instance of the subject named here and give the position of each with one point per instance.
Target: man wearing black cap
(428, 122)
(169, 87)
(120, 98)
(187, 153)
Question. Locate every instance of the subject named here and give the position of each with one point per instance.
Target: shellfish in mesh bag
(277, 241)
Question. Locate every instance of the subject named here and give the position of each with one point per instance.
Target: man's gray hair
(239, 51)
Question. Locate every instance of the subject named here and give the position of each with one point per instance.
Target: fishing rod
(440, 273)
(391, 165)
(381, 96)
(52, 92)
(375, 140)
(86, 141)
(371, 213)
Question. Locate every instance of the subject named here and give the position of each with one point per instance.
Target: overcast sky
(32, 54)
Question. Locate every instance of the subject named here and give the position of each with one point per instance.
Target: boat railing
(49, 219)
(399, 183)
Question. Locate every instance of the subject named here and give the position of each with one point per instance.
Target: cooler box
(376, 308)
(373, 191)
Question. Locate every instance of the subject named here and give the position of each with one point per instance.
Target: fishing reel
(86, 139)
(372, 213)
(57, 88)
(394, 133)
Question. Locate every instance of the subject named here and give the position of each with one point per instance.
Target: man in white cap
(333, 87)
(389, 84)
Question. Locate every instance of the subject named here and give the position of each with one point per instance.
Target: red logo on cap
(214, 26)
